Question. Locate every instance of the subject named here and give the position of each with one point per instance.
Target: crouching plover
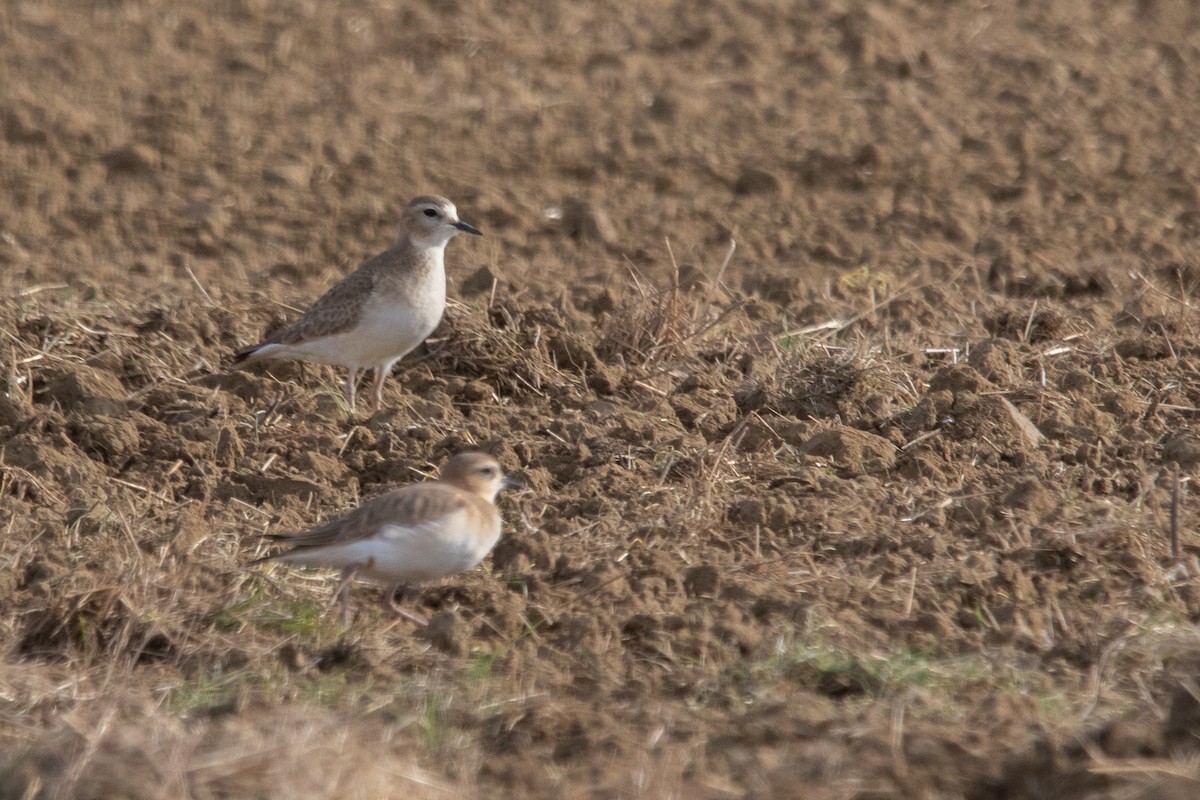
(411, 534)
(382, 310)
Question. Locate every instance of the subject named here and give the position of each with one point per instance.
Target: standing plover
(415, 533)
(382, 310)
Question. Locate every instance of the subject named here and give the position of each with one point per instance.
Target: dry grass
(655, 325)
(124, 748)
(675, 544)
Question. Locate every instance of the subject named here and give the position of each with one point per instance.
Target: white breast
(393, 324)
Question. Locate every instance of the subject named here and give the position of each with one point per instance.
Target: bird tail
(243, 355)
(273, 538)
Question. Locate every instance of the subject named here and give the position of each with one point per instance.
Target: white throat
(429, 241)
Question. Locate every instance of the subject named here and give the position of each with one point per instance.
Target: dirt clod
(704, 579)
(86, 390)
(446, 633)
(856, 452)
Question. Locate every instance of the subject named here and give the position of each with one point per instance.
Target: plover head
(431, 221)
(479, 474)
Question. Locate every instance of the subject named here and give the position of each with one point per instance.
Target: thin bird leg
(389, 599)
(351, 382)
(343, 592)
(380, 375)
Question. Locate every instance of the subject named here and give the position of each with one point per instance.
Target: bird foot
(396, 609)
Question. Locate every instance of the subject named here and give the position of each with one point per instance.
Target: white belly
(388, 333)
(385, 334)
(407, 554)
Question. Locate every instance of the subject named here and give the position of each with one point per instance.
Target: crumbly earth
(891, 501)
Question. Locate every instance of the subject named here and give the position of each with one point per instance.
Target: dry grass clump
(661, 324)
(502, 345)
(68, 607)
(825, 382)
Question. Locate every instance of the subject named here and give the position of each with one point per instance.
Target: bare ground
(892, 501)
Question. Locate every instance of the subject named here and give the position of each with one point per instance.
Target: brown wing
(409, 505)
(336, 311)
(340, 308)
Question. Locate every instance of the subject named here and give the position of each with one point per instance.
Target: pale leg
(380, 375)
(343, 592)
(389, 599)
(351, 386)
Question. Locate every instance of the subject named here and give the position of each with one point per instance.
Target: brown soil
(882, 508)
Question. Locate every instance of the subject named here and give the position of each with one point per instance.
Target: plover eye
(430, 212)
